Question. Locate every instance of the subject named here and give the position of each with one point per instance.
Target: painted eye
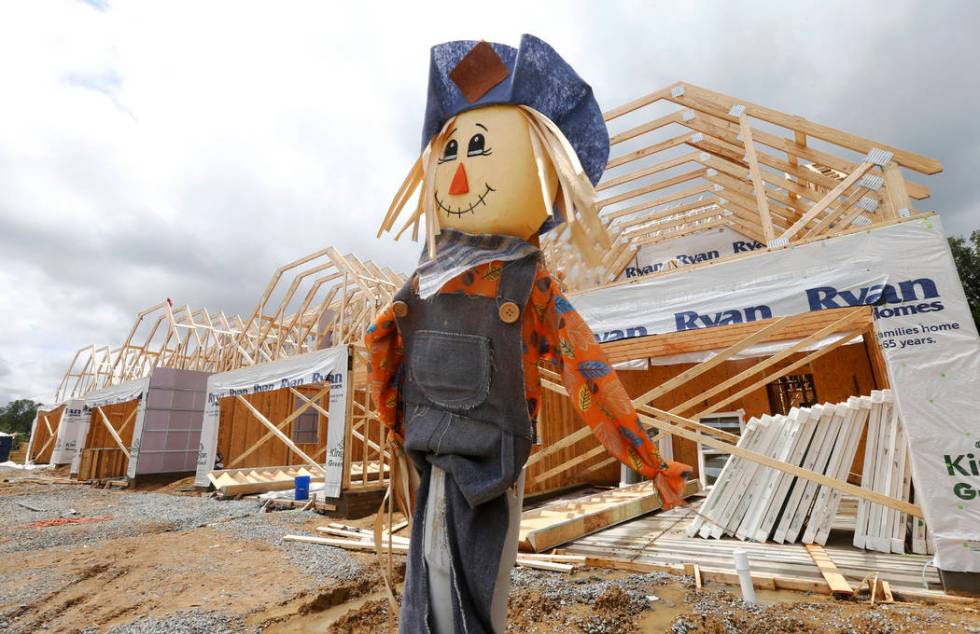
(451, 149)
(477, 145)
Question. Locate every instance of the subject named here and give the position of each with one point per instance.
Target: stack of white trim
(887, 469)
(757, 503)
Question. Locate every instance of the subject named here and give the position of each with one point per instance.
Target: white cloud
(185, 149)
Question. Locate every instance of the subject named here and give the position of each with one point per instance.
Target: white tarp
(128, 391)
(315, 367)
(67, 438)
(30, 439)
(924, 327)
(69, 432)
(700, 247)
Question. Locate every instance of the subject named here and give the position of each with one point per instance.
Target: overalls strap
(516, 279)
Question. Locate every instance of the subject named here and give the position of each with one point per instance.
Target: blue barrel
(302, 487)
(5, 444)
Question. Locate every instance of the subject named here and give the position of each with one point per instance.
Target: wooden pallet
(753, 502)
(554, 524)
(661, 539)
(232, 482)
(102, 464)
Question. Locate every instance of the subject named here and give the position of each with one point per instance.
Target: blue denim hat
(466, 74)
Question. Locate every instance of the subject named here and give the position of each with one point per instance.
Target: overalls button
(509, 312)
(400, 308)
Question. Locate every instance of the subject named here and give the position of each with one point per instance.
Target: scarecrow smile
(459, 211)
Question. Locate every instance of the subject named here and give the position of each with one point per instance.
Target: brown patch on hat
(480, 70)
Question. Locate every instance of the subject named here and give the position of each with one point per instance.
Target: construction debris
(61, 521)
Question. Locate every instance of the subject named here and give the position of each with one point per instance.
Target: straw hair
(574, 195)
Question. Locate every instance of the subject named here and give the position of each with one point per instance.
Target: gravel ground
(547, 602)
(588, 590)
(186, 622)
(320, 561)
(724, 612)
(132, 514)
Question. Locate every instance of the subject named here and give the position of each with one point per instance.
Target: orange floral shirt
(554, 334)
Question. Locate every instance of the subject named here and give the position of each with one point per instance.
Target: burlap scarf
(458, 252)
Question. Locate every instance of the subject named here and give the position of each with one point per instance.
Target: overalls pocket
(452, 370)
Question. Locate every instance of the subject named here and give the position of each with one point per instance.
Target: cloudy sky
(185, 149)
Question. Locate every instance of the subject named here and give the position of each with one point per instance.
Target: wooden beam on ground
(112, 431)
(835, 580)
(550, 526)
(278, 434)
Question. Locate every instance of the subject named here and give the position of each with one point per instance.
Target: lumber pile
(231, 482)
(353, 538)
(549, 526)
(99, 464)
(887, 469)
(757, 503)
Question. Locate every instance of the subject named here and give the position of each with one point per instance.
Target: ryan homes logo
(909, 297)
(335, 379)
(683, 258)
(692, 320)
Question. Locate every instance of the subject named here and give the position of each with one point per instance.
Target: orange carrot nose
(459, 185)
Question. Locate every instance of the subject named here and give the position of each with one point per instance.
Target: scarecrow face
(486, 180)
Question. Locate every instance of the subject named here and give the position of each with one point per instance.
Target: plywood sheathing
(45, 435)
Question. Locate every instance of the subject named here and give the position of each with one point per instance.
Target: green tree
(966, 254)
(17, 416)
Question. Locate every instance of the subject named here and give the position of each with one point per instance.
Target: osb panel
(238, 429)
(98, 436)
(838, 375)
(41, 435)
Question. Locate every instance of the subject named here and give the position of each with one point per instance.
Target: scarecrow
(512, 145)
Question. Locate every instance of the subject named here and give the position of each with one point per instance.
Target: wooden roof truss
(320, 300)
(162, 335)
(716, 161)
(90, 369)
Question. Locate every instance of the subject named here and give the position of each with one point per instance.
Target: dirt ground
(165, 560)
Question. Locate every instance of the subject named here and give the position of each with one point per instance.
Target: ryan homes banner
(70, 436)
(315, 367)
(700, 247)
(924, 328)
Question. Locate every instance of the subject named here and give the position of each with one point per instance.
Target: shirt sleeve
(595, 390)
(385, 351)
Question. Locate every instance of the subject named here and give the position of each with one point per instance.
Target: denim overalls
(465, 411)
